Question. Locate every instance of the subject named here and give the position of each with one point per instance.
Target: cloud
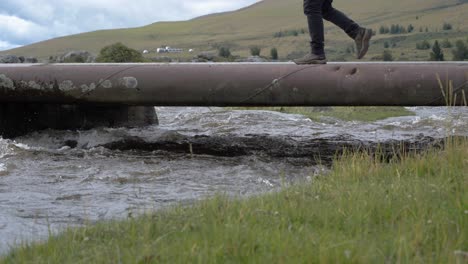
(26, 21)
(6, 45)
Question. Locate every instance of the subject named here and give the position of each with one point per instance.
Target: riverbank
(412, 210)
(366, 114)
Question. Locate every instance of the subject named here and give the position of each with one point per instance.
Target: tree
(224, 52)
(255, 51)
(274, 53)
(424, 45)
(118, 52)
(437, 54)
(383, 30)
(387, 55)
(446, 44)
(447, 26)
(460, 52)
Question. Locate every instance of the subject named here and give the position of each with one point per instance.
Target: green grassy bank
(413, 210)
(366, 114)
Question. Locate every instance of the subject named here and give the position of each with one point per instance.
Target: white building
(169, 50)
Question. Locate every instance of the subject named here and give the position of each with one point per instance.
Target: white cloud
(26, 21)
(17, 29)
(6, 45)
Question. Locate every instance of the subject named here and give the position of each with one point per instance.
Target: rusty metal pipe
(236, 84)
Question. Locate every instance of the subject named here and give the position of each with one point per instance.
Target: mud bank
(314, 149)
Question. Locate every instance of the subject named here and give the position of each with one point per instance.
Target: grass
(366, 114)
(412, 210)
(256, 26)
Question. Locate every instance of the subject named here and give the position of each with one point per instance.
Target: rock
(205, 56)
(77, 56)
(9, 59)
(161, 59)
(30, 60)
(252, 59)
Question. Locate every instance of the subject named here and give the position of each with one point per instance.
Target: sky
(24, 22)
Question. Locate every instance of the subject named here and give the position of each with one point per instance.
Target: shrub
(424, 45)
(287, 33)
(224, 52)
(118, 52)
(255, 51)
(437, 54)
(274, 53)
(384, 30)
(410, 28)
(387, 55)
(446, 44)
(397, 29)
(460, 52)
(350, 49)
(447, 26)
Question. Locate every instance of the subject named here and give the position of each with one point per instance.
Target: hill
(260, 23)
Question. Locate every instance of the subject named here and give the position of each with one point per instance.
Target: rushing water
(54, 179)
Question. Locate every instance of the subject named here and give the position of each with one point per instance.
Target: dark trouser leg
(338, 18)
(313, 11)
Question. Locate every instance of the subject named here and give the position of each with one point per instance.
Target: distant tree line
(288, 33)
(396, 29)
(400, 29)
(459, 51)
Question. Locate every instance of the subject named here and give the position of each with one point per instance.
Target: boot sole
(311, 62)
(365, 43)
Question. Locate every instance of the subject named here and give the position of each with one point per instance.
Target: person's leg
(338, 18)
(360, 35)
(313, 11)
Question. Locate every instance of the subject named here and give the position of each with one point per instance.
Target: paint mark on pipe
(88, 88)
(129, 82)
(106, 84)
(66, 86)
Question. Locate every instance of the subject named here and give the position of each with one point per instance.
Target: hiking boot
(362, 42)
(311, 59)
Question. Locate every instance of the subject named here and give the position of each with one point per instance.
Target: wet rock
(71, 143)
(319, 150)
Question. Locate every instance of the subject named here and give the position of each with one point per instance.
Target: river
(50, 180)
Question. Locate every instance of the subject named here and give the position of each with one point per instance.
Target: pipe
(236, 84)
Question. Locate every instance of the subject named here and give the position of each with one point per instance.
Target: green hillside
(257, 25)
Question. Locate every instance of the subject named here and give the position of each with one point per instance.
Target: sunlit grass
(367, 114)
(410, 210)
(257, 26)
